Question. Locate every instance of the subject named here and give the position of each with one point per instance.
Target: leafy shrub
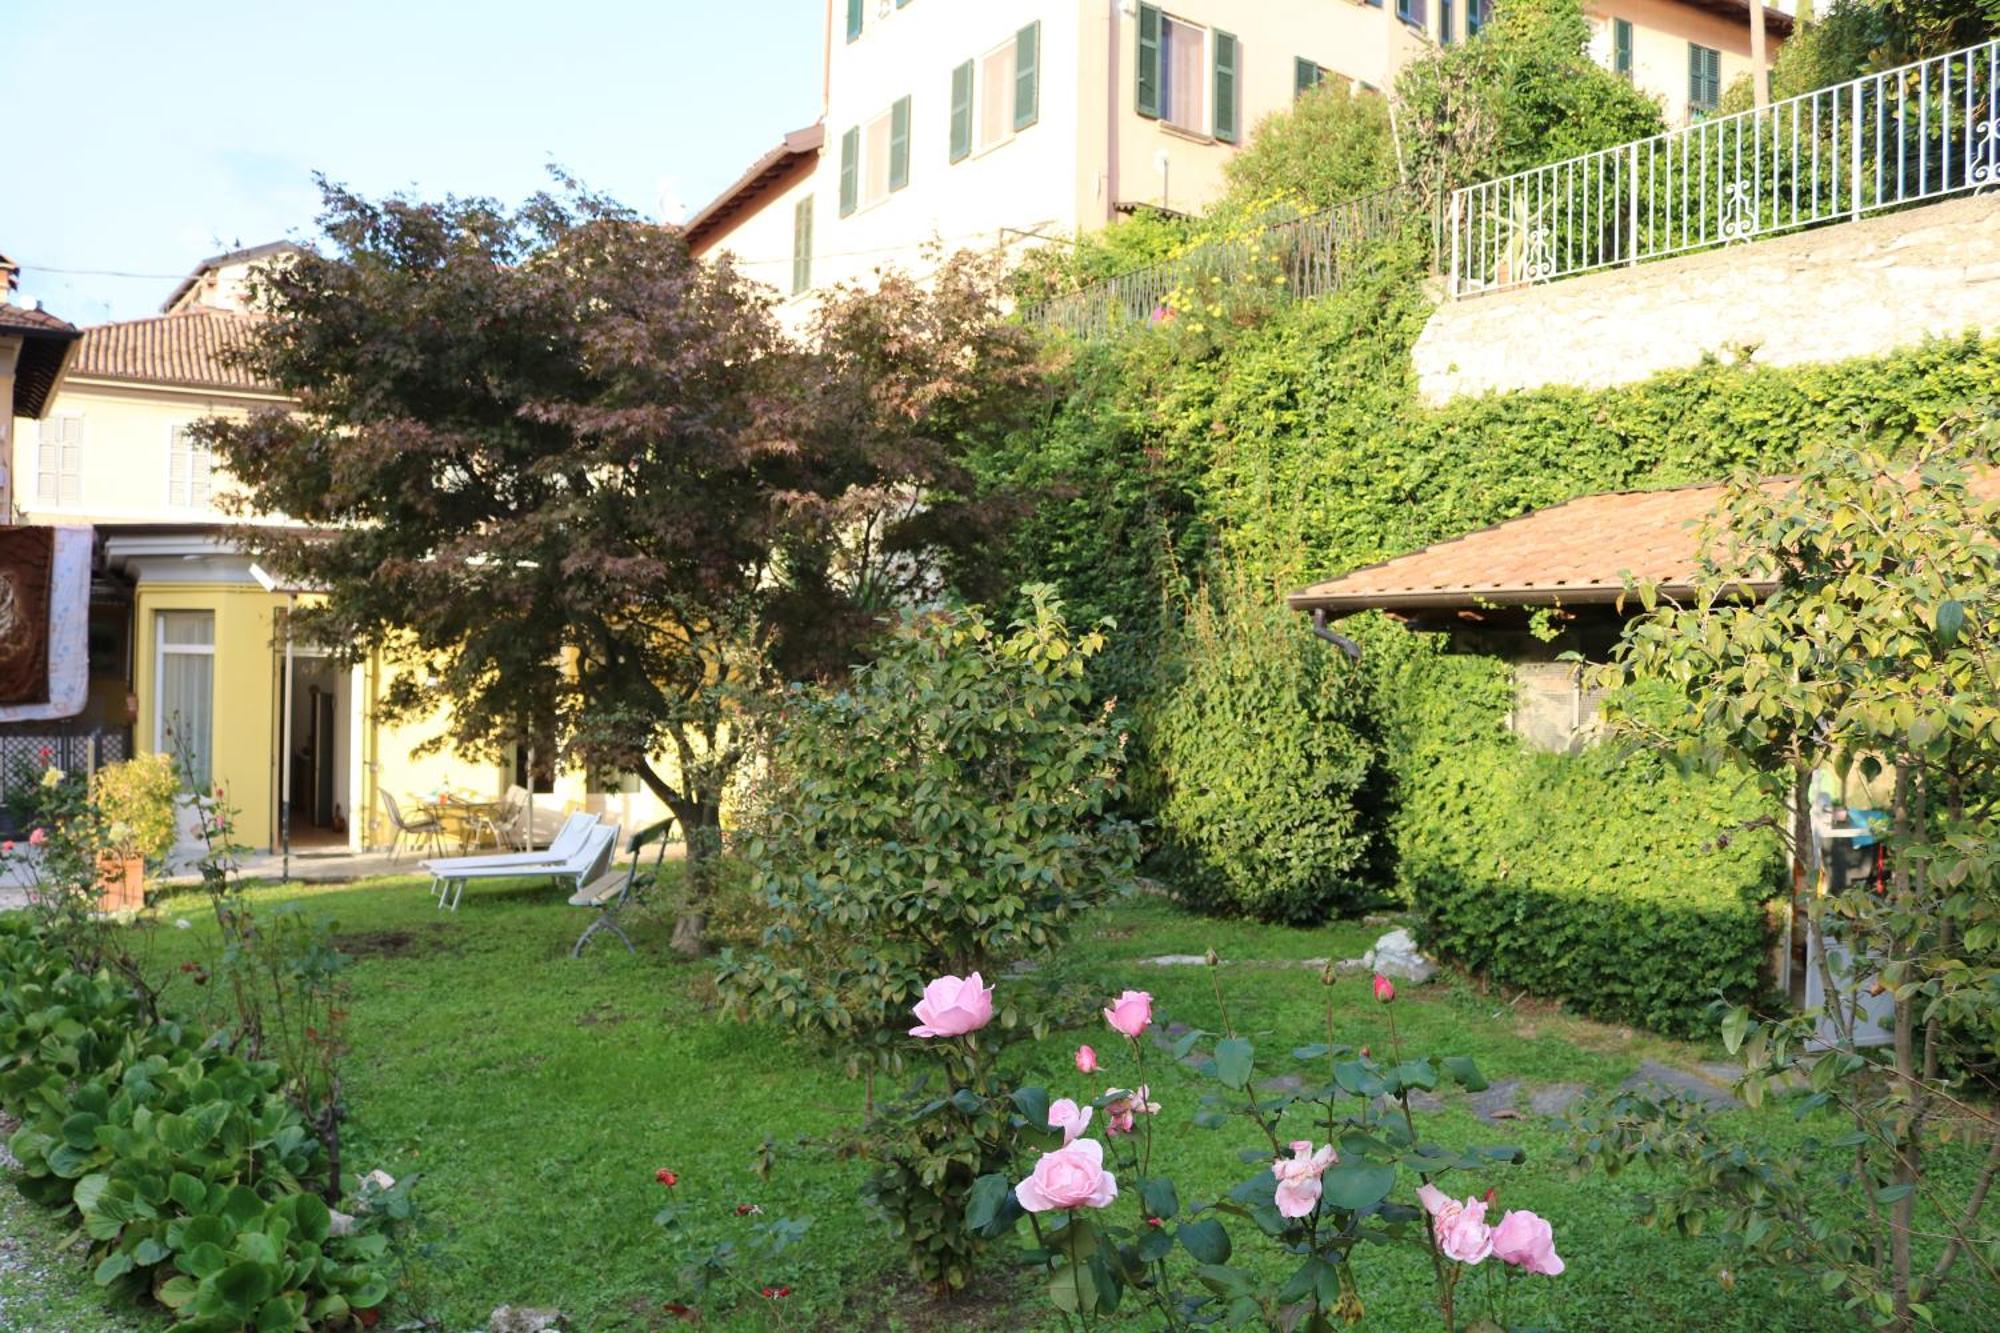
(136, 800)
(1329, 147)
(185, 1163)
(1264, 764)
(950, 809)
(33, 799)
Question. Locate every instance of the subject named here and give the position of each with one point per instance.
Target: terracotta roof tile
(21, 319)
(182, 349)
(1579, 551)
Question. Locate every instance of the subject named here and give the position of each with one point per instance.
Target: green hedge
(183, 1163)
(1605, 878)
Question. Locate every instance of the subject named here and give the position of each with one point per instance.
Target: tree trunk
(701, 825)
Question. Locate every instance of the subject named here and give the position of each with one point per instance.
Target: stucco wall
(1856, 289)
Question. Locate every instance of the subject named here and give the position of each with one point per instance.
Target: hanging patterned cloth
(27, 565)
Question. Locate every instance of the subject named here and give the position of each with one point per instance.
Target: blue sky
(150, 134)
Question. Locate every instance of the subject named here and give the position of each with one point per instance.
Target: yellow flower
(53, 777)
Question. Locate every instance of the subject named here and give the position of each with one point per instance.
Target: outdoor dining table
(463, 819)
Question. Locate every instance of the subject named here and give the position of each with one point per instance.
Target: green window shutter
(899, 144)
(1621, 47)
(1148, 75)
(961, 112)
(1028, 75)
(1227, 53)
(1444, 22)
(850, 170)
(853, 19)
(802, 245)
(1305, 76)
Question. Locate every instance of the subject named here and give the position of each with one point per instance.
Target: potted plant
(135, 800)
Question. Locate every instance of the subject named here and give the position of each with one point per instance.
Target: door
(322, 758)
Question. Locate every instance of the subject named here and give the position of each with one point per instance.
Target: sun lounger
(560, 848)
(586, 864)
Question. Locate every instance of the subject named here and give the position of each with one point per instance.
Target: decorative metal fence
(29, 750)
(1302, 258)
(1899, 137)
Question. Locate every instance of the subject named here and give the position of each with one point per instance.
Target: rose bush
(1107, 1230)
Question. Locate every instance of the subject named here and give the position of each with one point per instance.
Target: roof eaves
(707, 222)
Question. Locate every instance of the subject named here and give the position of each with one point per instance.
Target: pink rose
(6, 847)
(1119, 1111)
(1086, 1060)
(1528, 1242)
(952, 1007)
(1385, 989)
(1068, 1117)
(1130, 1013)
(1298, 1177)
(1460, 1228)
(38, 837)
(1073, 1176)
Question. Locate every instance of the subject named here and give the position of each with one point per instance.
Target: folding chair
(610, 893)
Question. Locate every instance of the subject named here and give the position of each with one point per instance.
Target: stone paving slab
(1654, 1077)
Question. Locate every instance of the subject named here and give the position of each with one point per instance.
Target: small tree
(1876, 650)
(582, 486)
(952, 809)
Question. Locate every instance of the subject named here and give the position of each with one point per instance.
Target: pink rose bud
(954, 1006)
(38, 837)
(1073, 1176)
(1086, 1059)
(1130, 1013)
(1385, 989)
(1527, 1242)
(6, 847)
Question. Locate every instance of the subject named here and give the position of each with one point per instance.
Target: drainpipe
(1340, 641)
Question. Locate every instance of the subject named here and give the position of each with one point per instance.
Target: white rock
(507, 1319)
(1395, 955)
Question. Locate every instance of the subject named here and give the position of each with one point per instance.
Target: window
(875, 158)
(802, 245)
(190, 468)
(997, 95)
(1704, 78)
(1411, 12)
(1477, 12)
(853, 19)
(1188, 76)
(59, 461)
(184, 721)
(1306, 76)
(1621, 47)
(1444, 22)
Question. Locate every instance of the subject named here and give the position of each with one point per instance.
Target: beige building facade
(995, 127)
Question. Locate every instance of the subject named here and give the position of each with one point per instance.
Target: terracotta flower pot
(121, 883)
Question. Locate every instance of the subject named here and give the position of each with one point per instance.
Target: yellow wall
(1661, 32)
(246, 681)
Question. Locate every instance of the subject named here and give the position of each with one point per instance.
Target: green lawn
(536, 1096)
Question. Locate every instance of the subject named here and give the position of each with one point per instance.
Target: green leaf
(1734, 1024)
(1033, 1104)
(1233, 1059)
(1949, 620)
(115, 1265)
(1894, 1193)
(1357, 1185)
(1205, 1239)
(1466, 1072)
(1160, 1198)
(986, 1199)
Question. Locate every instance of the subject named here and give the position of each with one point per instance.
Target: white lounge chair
(563, 846)
(568, 838)
(587, 863)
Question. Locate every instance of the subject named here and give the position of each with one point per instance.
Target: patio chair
(506, 825)
(612, 891)
(580, 868)
(424, 829)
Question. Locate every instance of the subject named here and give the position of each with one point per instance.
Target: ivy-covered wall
(1265, 448)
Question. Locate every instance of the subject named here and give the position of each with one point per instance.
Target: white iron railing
(1917, 132)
